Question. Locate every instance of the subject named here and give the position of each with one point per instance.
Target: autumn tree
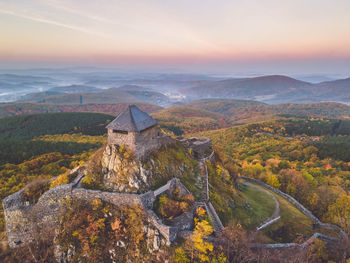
(339, 212)
(234, 243)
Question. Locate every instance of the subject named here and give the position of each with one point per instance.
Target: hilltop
(140, 200)
(272, 89)
(7, 110)
(245, 111)
(252, 88)
(181, 119)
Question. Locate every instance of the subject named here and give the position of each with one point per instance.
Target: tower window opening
(118, 131)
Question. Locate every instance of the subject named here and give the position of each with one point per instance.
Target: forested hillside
(306, 158)
(246, 111)
(7, 110)
(182, 119)
(17, 133)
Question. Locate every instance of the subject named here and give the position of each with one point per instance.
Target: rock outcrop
(124, 173)
(130, 182)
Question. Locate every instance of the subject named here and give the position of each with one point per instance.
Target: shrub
(173, 204)
(61, 179)
(96, 228)
(36, 189)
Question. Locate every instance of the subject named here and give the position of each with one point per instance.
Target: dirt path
(276, 213)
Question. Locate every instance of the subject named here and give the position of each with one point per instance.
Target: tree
(273, 181)
(202, 230)
(339, 212)
(180, 256)
(234, 244)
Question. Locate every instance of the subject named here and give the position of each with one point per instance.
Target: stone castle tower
(135, 130)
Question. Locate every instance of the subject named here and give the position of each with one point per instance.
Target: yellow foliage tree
(339, 212)
(202, 230)
(273, 181)
(62, 179)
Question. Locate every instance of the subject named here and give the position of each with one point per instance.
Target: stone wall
(146, 141)
(127, 140)
(23, 221)
(139, 143)
(286, 196)
(201, 147)
(342, 238)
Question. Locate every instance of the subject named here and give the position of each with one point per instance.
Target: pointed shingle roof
(132, 119)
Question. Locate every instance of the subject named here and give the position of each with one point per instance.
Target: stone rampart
(286, 196)
(201, 147)
(343, 237)
(23, 222)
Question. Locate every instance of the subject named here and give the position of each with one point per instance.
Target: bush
(95, 228)
(62, 179)
(173, 204)
(36, 189)
(93, 178)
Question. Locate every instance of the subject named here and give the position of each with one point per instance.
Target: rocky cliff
(123, 173)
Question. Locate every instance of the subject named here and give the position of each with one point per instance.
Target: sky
(311, 36)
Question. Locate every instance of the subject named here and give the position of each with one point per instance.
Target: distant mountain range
(80, 94)
(165, 89)
(75, 89)
(7, 110)
(272, 89)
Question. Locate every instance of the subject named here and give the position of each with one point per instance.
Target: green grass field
(290, 228)
(292, 225)
(261, 207)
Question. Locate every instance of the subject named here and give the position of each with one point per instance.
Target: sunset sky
(251, 34)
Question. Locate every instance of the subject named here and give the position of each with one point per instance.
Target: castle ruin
(136, 131)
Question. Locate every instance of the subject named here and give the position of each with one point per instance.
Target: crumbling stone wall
(22, 222)
(286, 196)
(201, 147)
(147, 141)
(342, 238)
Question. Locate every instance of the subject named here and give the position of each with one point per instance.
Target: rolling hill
(245, 111)
(182, 119)
(75, 89)
(79, 94)
(105, 96)
(251, 88)
(272, 89)
(7, 110)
